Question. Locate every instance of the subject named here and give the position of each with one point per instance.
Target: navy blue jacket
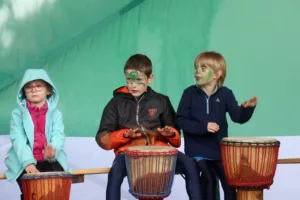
(194, 112)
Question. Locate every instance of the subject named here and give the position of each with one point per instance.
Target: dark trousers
(208, 170)
(184, 165)
(42, 167)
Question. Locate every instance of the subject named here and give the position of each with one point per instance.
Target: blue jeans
(185, 165)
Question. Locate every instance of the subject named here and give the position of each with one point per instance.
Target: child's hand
(212, 127)
(31, 169)
(49, 152)
(167, 131)
(250, 103)
(132, 133)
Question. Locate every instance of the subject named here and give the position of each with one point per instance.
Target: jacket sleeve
(58, 137)
(238, 114)
(184, 119)
(168, 119)
(108, 136)
(19, 139)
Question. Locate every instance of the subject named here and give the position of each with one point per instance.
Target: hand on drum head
(250, 103)
(132, 133)
(212, 127)
(31, 169)
(49, 152)
(166, 131)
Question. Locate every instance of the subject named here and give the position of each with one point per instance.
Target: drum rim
(46, 175)
(250, 139)
(273, 143)
(154, 147)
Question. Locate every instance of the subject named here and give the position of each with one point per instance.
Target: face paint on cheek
(206, 76)
(134, 77)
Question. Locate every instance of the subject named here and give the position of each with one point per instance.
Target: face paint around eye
(206, 76)
(135, 77)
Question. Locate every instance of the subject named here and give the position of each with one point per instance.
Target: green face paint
(206, 75)
(135, 77)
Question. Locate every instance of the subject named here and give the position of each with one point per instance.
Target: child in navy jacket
(201, 115)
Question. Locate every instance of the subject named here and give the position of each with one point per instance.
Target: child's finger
(215, 128)
(137, 135)
(135, 130)
(245, 104)
(211, 130)
(168, 128)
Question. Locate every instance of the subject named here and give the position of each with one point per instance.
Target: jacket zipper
(37, 118)
(207, 102)
(137, 120)
(207, 105)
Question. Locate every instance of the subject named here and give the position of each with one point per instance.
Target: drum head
(249, 140)
(151, 148)
(46, 175)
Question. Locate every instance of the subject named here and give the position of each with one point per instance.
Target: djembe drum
(47, 186)
(150, 171)
(250, 165)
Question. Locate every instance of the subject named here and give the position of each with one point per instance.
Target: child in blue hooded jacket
(201, 115)
(36, 129)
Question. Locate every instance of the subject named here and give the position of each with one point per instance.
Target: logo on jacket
(218, 100)
(152, 112)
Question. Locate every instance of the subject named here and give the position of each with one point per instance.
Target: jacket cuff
(174, 131)
(28, 162)
(119, 135)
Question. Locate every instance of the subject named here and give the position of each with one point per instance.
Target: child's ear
(218, 74)
(48, 94)
(150, 78)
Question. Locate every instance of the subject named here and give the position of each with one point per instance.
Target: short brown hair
(139, 62)
(214, 60)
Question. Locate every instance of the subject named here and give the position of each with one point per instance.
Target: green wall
(259, 40)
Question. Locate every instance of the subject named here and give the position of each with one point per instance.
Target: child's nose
(33, 89)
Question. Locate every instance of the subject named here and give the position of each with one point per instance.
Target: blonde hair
(214, 60)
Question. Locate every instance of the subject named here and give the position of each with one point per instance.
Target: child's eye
(39, 86)
(27, 86)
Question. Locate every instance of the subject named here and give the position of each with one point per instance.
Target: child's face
(137, 82)
(204, 75)
(36, 91)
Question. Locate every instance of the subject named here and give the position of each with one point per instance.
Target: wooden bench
(78, 174)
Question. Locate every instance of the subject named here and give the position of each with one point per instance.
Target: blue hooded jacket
(22, 130)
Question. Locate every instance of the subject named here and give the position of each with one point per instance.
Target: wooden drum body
(47, 186)
(250, 165)
(150, 170)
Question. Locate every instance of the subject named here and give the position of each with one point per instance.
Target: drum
(250, 165)
(150, 171)
(47, 186)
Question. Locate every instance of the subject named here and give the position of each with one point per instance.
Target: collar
(33, 108)
(215, 90)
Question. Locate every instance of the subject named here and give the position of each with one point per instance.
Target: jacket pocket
(11, 161)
